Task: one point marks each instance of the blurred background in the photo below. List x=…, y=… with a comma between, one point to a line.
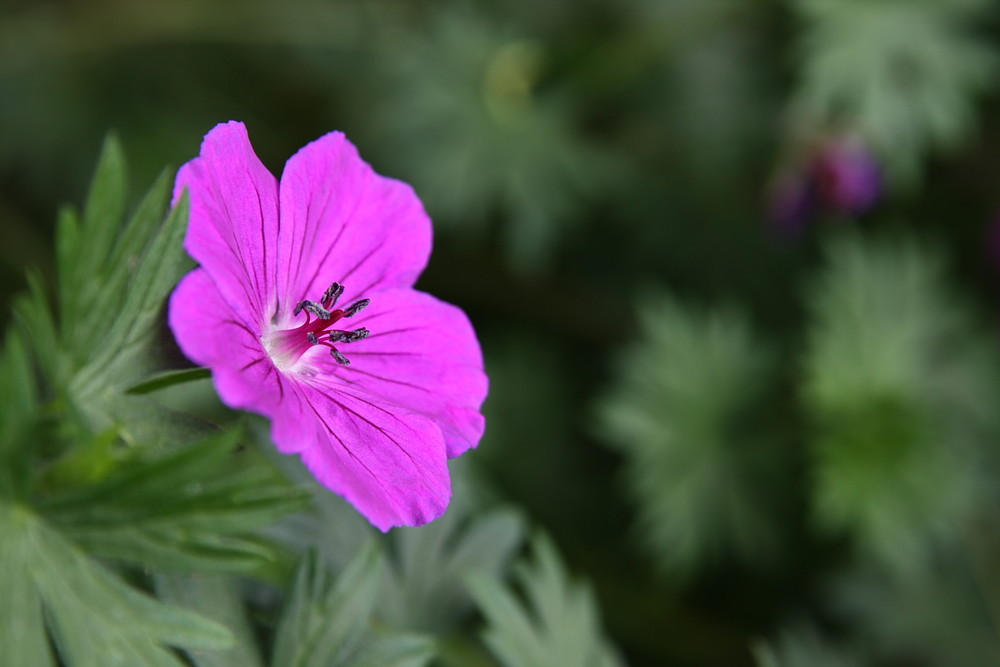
x=734, y=265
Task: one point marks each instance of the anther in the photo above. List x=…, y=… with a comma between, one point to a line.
x=312, y=307
x=348, y=336
x=356, y=307
x=341, y=359
x=311, y=337
x=331, y=294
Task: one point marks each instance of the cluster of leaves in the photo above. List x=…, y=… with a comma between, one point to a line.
x=897, y=385
x=684, y=417
x=131, y=534
x=905, y=74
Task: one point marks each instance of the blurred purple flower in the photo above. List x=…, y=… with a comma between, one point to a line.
x=847, y=176
x=262, y=313
x=839, y=175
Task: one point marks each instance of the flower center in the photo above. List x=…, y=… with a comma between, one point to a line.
x=287, y=345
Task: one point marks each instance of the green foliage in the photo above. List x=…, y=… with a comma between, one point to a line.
x=217, y=598
x=465, y=99
x=802, y=645
x=559, y=625
x=902, y=386
x=18, y=396
x=167, y=379
x=92, y=616
x=684, y=413
x=424, y=588
x=423, y=579
x=85, y=470
x=193, y=508
x=894, y=618
x=903, y=72
x=114, y=277
x=327, y=624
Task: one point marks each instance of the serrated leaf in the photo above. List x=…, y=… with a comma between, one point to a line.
x=902, y=388
x=119, y=270
x=216, y=598
x=424, y=587
x=684, y=412
x=904, y=74
x=22, y=624
x=94, y=618
x=945, y=614
x=324, y=624
x=397, y=651
x=196, y=507
x=119, y=360
x=85, y=246
x=113, y=282
x=34, y=314
x=67, y=254
x=20, y=404
x=559, y=625
x=801, y=645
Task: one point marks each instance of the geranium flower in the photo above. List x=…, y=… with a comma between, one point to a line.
x=839, y=174
x=304, y=309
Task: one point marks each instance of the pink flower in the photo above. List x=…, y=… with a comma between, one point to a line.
x=304, y=309
x=838, y=174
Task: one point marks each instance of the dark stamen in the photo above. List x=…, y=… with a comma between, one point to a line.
x=322, y=316
x=356, y=307
x=312, y=307
x=331, y=294
x=348, y=336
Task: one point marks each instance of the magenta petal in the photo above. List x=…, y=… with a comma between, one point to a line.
x=389, y=464
x=210, y=333
x=422, y=354
x=233, y=226
x=340, y=221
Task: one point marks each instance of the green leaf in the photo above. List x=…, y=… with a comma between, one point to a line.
x=397, y=651
x=22, y=623
x=215, y=598
x=901, y=385
x=113, y=281
x=802, y=646
x=166, y=379
x=329, y=625
x=467, y=86
x=67, y=254
x=34, y=314
x=903, y=73
x=193, y=508
x=559, y=625
x=425, y=588
x=946, y=615
x=20, y=404
x=84, y=249
x=121, y=357
x=686, y=413
x=119, y=270
x=93, y=617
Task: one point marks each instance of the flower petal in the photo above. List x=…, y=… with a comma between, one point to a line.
x=389, y=464
x=233, y=227
x=210, y=333
x=340, y=221
x=422, y=354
